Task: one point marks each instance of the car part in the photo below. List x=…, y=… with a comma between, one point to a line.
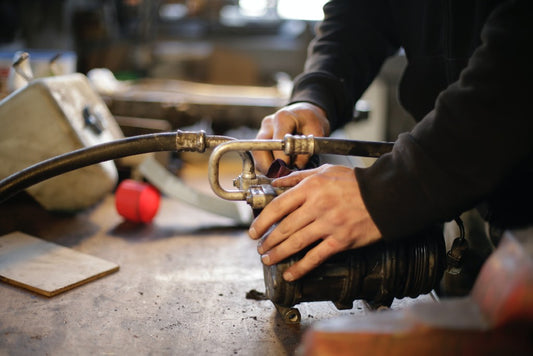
x=51, y=116
x=377, y=273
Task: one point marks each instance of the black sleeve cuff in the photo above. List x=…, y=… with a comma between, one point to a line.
x=326, y=91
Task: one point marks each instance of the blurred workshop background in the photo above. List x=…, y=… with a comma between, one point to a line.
x=248, y=51
x=78, y=73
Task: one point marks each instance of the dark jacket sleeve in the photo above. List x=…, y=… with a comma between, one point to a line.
x=479, y=134
x=352, y=43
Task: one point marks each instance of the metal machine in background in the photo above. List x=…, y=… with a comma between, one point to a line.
x=377, y=273
x=146, y=102
x=50, y=116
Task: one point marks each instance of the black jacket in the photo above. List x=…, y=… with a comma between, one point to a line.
x=468, y=83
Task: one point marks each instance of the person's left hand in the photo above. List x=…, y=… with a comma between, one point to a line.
x=323, y=204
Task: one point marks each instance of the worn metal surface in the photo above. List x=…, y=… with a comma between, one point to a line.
x=183, y=103
x=377, y=273
x=181, y=288
x=496, y=318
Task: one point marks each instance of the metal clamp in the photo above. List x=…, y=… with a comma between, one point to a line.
x=297, y=145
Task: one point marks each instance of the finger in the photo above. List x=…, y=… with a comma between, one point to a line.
x=283, y=204
x=294, y=244
x=282, y=156
x=285, y=123
x=301, y=161
x=293, y=178
x=289, y=225
x=275, y=211
x=312, y=259
x=263, y=160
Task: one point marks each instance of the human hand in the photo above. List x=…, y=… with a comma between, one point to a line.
x=323, y=204
x=299, y=118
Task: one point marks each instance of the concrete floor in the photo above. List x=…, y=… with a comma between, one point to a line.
x=180, y=289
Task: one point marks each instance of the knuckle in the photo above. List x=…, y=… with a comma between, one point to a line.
x=285, y=116
x=283, y=112
x=297, y=243
x=337, y=219
x=283, y=229
x=315, y=258
x=313, y=182
x=262, y=135
x=267, y=120
x=324, y=169
x=334, y=244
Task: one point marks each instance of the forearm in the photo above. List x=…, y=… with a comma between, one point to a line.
x=351, y=45
x=478, y=134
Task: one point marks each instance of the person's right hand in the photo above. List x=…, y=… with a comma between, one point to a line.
x=324, y=206
x=298, y=118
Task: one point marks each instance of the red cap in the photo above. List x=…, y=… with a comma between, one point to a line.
x=136, y=201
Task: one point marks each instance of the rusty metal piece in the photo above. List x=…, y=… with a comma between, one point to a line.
x=192, y=141
x=183, y=103
x=297, y=145
x=248, y=178
x=259, y=196
x=377, y=274
x=289, y=315
x=290, y=145
x=495, y=318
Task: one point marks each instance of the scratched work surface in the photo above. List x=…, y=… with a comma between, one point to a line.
x=180, y=289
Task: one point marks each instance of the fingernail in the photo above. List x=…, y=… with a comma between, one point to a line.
x=288, y=276
x=265, y=259
x=260, y=247
x=252, y=233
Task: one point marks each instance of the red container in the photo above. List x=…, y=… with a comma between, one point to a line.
x=136, y=201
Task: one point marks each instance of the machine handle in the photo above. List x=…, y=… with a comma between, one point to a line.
x=290, y=145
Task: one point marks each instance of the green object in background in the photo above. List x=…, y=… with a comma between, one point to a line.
x=128, y=75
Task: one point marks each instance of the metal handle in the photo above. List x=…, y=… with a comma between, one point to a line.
x=248, y=168
x=290, y=145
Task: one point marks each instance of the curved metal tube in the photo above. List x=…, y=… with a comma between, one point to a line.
x=187, y=141
x=196, y=141
x=296, y=145
x=351, y=147
x=248, y=167
x=290, y=145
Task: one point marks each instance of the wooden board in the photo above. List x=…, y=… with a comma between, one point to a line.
x=47, y=268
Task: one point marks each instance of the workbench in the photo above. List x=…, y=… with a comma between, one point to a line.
x=181, y=288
